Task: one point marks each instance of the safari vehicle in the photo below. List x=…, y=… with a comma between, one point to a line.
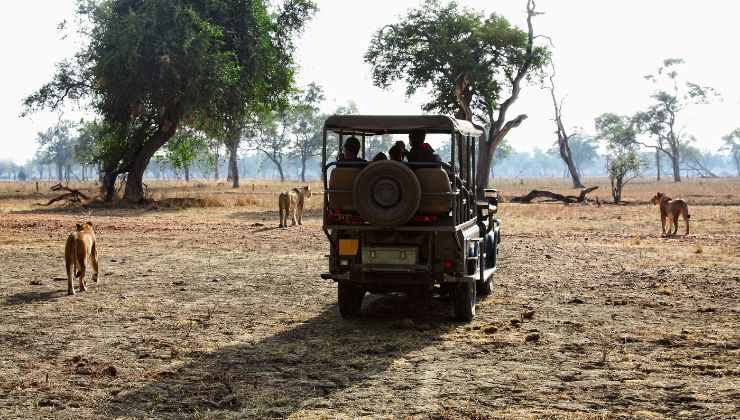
x=408, y=226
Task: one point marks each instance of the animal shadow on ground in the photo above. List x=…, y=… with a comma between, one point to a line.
x=31, y=297
x=274, y=215
x=283, y=373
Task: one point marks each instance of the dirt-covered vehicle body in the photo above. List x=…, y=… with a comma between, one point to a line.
x=408, y=226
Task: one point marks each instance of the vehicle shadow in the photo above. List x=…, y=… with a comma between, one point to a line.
x=23, y=298
x=292, y=370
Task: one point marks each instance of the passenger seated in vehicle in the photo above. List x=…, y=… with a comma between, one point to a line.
x=350, y=150
x=380, y=156
x=420, y=150
x=398, y=151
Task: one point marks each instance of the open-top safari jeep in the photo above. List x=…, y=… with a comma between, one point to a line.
x=408, y=226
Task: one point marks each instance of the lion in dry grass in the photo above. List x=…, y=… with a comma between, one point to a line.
x=80, y=250
x=291, y=203
x=669, y=212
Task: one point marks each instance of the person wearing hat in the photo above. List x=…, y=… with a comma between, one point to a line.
x=398, y=151
x=420, y=150
x=350, y=150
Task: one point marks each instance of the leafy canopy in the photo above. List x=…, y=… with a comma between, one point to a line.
x=150, y=66
x=438, y=42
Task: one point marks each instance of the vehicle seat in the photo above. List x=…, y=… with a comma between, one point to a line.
x=434, y=180
x=342, y=179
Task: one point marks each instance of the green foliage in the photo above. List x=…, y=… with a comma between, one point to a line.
x=583, y=149
x=732, y=146
x=433, y=45
x=503, y=151
x=184, y=148
x=305, y=122
x=732, y=142
x=151, y=66
x=22, y=175
x=623, y=163
x=660, y=120
x=57, y=146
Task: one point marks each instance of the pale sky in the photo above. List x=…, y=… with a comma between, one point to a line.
x=603, y=48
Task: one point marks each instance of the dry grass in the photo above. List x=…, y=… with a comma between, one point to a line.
x=213, y=312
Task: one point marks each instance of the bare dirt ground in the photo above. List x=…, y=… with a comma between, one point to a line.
x=216, y=313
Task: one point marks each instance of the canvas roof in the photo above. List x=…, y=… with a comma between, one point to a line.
x=400, y=124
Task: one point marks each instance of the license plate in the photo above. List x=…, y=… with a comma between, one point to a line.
x=390, y=255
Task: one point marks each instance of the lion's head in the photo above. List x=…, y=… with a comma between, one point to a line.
x=657, y=198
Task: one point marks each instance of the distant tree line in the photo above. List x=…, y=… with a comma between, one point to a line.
x=193, y=89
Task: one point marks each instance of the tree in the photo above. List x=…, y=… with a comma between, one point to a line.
x=660, y=120
x=151, y=66
x=306, y=124
x=732, y=145
x=269, y=134
x=56, y=146
x=22, y=175
x=8, y=169
x=697, y=161
x=623, y=164
x=184, y=148
x=473, y=66
x=563, y=136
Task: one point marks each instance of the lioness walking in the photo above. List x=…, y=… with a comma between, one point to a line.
x=79, y=250
x=669, y=212
x=291, y=203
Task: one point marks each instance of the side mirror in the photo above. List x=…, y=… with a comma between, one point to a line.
x=491, y=196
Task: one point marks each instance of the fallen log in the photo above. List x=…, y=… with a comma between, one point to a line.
x=70, y=194
x=567, y=199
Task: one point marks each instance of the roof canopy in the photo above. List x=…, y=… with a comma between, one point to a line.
x=400, y=124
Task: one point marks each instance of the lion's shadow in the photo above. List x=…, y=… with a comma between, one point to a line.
x=23, y=298
x=280, y=374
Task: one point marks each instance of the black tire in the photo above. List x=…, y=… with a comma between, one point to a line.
x=350, y=299
x=464, y=301
x=386, y=193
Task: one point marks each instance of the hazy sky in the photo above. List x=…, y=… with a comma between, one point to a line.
x=603, y=48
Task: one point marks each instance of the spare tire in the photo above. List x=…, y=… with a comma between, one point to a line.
x=386, y=193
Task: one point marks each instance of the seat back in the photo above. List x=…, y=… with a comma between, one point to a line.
x=342, y=179
x=434, y=180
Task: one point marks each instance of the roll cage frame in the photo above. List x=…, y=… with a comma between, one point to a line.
x=461, y=169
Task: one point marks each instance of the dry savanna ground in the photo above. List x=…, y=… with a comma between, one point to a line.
x=206, y=310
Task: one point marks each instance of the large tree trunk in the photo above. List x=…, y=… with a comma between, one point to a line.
x=233, y=175
x=657, y=163
x=676, y=160
x=565, y=154
x=303, y=169
x=108, y=185
x=737, y=163
x=487, y=149
x=135, y=178
x=187, y=173
x=280, y=170
x=216, y=175
x=60, y=172
x=563, y=136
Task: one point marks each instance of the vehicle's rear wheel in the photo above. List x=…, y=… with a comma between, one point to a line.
x=464, y=301
x=485, y=288
x=350, y=299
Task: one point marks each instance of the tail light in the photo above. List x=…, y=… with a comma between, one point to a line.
x=340, y=218
x=425, y=219
x=448, y=265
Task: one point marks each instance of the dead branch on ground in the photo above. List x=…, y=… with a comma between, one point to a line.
x=567, y=199
x=70, y=194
